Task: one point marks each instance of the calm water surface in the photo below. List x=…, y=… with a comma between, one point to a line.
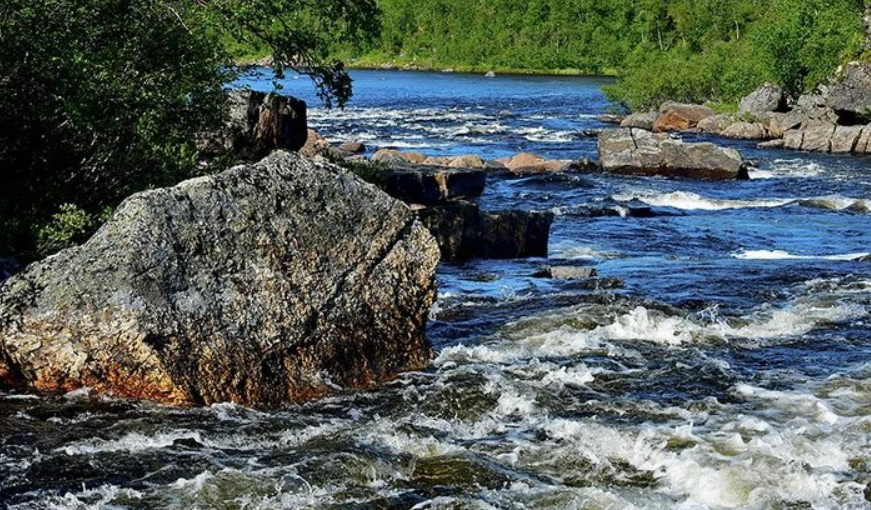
x=731, y=370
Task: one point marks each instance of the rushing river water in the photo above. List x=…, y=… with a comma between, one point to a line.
x=731, y=370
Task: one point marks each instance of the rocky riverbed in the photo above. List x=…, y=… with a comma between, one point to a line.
x=713, y=354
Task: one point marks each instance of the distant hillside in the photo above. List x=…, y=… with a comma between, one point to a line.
x=692, y=50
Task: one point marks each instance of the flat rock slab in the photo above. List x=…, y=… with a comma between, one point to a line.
x=640, y=152
x=432, y=185
x=266, y=284
x=464, y=232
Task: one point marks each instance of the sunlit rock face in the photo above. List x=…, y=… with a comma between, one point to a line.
x=266, y=284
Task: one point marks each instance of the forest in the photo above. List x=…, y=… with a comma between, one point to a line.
x=687, y=50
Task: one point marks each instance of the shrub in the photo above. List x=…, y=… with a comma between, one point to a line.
x=102, y=98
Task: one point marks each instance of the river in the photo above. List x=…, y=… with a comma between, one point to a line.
x=731, y=369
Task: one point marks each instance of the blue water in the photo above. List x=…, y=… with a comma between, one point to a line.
x=721, y=361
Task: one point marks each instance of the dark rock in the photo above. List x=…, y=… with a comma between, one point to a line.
x=582, y=165
x=639, y=152
x=766, y=99
x=597, y=284
x=494, y=165
x=262, y=285
x=464, y=232
x=850, y=94
x=258, y=124
x=8, y=267
x=432, y=185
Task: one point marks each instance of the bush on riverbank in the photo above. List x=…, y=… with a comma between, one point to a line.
x=102, y=98
x=690, y=50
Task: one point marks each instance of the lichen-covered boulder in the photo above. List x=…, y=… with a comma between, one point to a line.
x=266, y=284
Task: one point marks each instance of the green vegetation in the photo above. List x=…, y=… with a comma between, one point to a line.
x=103, y=98
x=689, y=50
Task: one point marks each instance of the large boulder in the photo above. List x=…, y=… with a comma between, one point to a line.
x=258, y=124
x=262, y=285
x=639, y=152
x=681, y=117
x=850, y=94
x=431, y=185
x=766, y=99
x=464, y=232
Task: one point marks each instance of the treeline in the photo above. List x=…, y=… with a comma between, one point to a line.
x=692, y=50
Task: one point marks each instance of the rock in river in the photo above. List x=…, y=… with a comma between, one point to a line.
x=639, y=152
x=431, y=185
x=465, y=232
x=265, y=284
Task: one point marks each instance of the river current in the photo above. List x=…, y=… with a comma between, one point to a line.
x=722, y=362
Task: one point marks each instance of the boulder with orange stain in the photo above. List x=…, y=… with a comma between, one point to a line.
x=267, y=284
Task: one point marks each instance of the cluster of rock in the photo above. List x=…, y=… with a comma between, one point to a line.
x=836, y=119
x=266, y=284
x=444, y=198
x=523, y=163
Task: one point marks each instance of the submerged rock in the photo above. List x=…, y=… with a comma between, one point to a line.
x=464, y=232
x=639, y=152
x=265, y=284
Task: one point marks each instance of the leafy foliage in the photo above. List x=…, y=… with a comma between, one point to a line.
x=693, y=50
x=103, y=98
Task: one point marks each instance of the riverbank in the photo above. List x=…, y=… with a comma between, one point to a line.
x=376, y=62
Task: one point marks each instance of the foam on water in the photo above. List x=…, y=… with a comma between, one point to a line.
x=688, y=201
x=782, y=255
